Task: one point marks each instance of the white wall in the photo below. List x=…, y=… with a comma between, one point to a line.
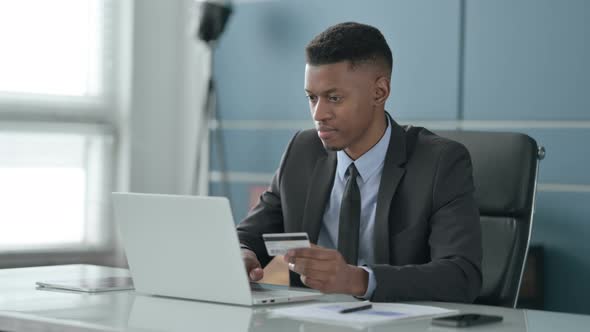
x=163, y=81
x=167, y=91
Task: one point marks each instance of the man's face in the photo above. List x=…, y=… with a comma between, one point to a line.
x=341, y=103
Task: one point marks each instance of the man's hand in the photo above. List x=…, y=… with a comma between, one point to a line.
x=253, y=267
x=326, y=270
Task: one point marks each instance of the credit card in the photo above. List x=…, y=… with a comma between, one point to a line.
x=279, y=243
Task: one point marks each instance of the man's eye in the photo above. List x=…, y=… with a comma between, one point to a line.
x=335, y=99
x=311, y=98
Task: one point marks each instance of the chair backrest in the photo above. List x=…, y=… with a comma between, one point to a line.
x=505, y=167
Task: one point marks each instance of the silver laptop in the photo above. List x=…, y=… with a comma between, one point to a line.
x=187, y=247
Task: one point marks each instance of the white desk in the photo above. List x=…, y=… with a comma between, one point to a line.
x=24, y=308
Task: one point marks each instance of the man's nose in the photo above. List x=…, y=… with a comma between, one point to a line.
x=320, y=111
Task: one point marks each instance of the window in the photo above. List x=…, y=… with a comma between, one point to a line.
x=51, y=47
x=47, y=193
x=56, y=131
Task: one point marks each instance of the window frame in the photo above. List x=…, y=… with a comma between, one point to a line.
x=99, y=116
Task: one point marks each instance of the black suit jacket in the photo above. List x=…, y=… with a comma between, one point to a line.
x=427, y=230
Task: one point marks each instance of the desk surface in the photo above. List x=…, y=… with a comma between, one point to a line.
x=23, y=307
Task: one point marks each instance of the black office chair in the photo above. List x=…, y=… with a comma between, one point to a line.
x=505, y=168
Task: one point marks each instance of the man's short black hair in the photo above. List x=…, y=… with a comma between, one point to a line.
x=350, y=41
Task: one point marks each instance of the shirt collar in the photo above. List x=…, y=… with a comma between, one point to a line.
x=370, y=161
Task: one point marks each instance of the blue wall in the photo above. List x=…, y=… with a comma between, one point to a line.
x=525, y=68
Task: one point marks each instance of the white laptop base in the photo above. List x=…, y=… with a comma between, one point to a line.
x=187, y=247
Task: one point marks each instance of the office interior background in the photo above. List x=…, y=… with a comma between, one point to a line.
x=105, y=95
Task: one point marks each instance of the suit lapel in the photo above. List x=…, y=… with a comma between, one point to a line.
x=390, y=178
x=320, y=188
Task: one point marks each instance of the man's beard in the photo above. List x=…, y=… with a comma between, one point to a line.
x=332, y=148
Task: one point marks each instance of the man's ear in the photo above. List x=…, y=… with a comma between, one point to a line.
x=382, y=90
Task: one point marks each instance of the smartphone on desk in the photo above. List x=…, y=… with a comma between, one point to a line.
x=465, y=320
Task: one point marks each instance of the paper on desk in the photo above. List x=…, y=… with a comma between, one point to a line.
x=380, y=313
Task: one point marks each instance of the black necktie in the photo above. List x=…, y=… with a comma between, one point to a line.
x=350, y=218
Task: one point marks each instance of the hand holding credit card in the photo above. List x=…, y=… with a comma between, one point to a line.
x=279, y=243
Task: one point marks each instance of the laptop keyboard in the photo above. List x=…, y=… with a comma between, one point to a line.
x=261, y=291
x=258, y=288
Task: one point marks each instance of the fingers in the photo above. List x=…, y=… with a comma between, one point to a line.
x=256, y=274
x=316, y=263
x=316, y=252
x=314, y=283
x=324, y=273
x=309, y=266
x=254, y=271
x=252, y=265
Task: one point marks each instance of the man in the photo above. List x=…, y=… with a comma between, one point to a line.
x=390, y=208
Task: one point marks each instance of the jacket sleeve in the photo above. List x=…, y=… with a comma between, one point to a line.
x=454, y=272
x=266, y=216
